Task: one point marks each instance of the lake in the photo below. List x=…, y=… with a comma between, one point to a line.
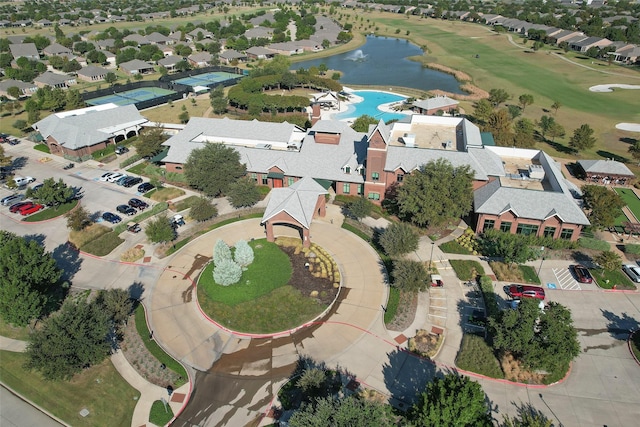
x=382, y=61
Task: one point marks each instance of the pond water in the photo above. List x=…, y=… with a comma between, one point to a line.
x=371, y=99
x=383, y=61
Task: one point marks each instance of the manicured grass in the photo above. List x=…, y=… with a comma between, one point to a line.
x=475, y=355
x=81, y=238
x=164, y=194
x=489, y=297
x=271, y=269
x=103, y=245
x=100, y=389
x=156, y=209
x=13, y=332
x=466, y=269
x=514, y=273
x=529, y=274
x=631, y=200
x=51, y=212
x=42, y=147
x=632, y=249
x=160, y=413
x=593, y=243
x=264, y=190
x=139, y=168
x=607, y=279
x=156, y=350
x=635, y=343
x=185, y=203
x=454, y=247
x=392, y=304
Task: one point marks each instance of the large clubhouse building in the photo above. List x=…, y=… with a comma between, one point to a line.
x=520, y=191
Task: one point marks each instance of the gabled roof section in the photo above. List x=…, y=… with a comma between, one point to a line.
x=383, y=130
x=298, y=200
x=611, y=167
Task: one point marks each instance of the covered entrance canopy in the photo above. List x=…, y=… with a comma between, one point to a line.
x=295, y=205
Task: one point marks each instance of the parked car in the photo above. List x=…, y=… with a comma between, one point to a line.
x=524, y=291
x=133, y=227
x=17, y=206
x=177, y=221
x=23, y=180
x=122, y=179
x=106, y=176
x=9, y=200
x=111, y=217
x=132, y=181
x=31, y=209
x=69, y=166
x=436, y=280
x=115, y=177
x=125, y=209
x=633, y=271
x=138, y=204
x=14, y=141
x=120, y=149
x=37, y=187
x=582, y=274
x=143, y=188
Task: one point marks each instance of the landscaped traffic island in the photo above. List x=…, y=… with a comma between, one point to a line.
x=284, y=286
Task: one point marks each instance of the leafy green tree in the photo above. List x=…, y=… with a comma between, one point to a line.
x=221, y=252
x=409, y=276
x=28, y=279
x=213, y=168
x=556, y=131
x=582, y=138
x=150, y=141
x=347, y=412
x=160, y=230
x=227, y=272
x=183, y=117
x=19, y=124
x=603, y=205
x=545, y=123
x=540, y=339
x=203, y=210
x=51, y=193
x=634, y=150
x=452, y=401
x=514, y=111
x=70, y=341
x=78, y=219
x=499, y=124
x=513, y=248
x=436, y=192
x=118, y=305
x=525, y=99
x=399, y=239
x=359, y=208
x=110, y=78
x=311, y=381
x=608, y=260
x=556, y=106
x=14, y=92
x=498, y=96
x=482, y=110
x=243, y=254
x=524, y=137
x=361, y=124
x=243, y=193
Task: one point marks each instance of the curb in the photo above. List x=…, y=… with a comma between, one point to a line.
x=38, y=407
x=637, y=331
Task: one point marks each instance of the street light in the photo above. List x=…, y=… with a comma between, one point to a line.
x=541, y=260
x=431, y=257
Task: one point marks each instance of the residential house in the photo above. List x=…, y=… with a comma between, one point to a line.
x=54, y=80
x=138, y=39
x=26, y=89
x=258, y=52
x=24, y=50
x=136, y=66
x=230, y=55
x=170, y=62
x=259, y=33
x=200, y=59
x=91, y=73
x=43, y=23
x=56, y=49
x=286, y=48
x=588, y=42
x=159, y=39
x=430, y=106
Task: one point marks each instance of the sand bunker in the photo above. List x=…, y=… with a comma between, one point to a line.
x=609, y=88
x=632, y=127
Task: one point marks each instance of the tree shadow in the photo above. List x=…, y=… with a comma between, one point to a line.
x=38, y=238
x=406, y=376
x=18, y=163
x=610, y=155
x=628, y=140
x=526, y=411
x=560, y=147
x=620, y=326
x=575, y=170
x=96, y=216
x=583, y=258
x=136, y=289
x=68, y=260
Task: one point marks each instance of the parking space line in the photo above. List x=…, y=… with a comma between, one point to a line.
x=565, y=280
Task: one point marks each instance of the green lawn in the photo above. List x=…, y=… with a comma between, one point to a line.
x=13, y=332
x=100, y=389
x=466, y=269
x=607, y=279
x=454, y=247
x=139, y=168
x=271, y=269
x=160, y=414
x=103, y=245
x=49, y=213
x=631, y=200
x=392, y=304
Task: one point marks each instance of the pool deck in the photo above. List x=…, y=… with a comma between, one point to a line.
x=344, y=106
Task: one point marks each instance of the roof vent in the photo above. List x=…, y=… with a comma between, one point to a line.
x=409, y=139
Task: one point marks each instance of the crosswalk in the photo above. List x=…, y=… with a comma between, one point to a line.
x=566, y=280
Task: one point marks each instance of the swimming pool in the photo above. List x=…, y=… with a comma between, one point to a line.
x=369, y=105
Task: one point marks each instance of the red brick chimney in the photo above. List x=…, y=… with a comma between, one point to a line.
x=315, y=113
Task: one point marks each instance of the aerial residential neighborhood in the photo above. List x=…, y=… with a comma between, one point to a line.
x=312, y=213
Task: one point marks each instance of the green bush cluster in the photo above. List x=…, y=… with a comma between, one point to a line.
x=466, y=269
x=103, y=245
x=468, y=241
x=131, y=160
x=595, y=244
x=632, y=249
x=475, y=355
x=42, y=147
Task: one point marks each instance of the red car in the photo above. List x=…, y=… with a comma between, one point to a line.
x=582, y=274
x=20, y=205
x=31, y=209
x=524, y=291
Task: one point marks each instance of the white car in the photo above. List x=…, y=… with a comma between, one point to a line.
x=23, y=180
x=116, y=176
x=633, y=271
x=106, y=176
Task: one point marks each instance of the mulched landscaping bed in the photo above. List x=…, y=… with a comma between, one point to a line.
x=305, y=282
x=407, y=308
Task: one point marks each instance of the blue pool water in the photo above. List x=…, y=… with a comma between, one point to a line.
x=369, y=106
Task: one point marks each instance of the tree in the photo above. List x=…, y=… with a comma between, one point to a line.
x=361, y=124
x=150, y=141
x=540, y=339
x=499, y=124
x=213, y=168
x=556, y=131
x=219, y=105
x=513, y=248
x=311, y=381
x=399, y=239
x=347, y=412
x=498, y=96
x=227, y=272
x=602, y=204
x=183, y=117
x=359, y=208
x=545, y=124
x=14, y=92
x=634, y=150
x=221, y=252
x=452, y=401
x=409, y=276
x=110, y=78
x=72, y=340
x=436, y=192
x=203, y=210
x=514, y=111
x=118, y=305
x=78, y=219
x=525, y=99
x=160, y=230
x=28, y=279
x=582, y=138
x=608, y=260
x=555, y=107
x=51, y=193
x=243, y=254
x=482, y=110
x=524, y=134
x=243, y=193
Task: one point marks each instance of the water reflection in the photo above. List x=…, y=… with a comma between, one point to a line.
x=382, y=61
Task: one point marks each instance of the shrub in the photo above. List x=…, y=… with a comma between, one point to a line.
x=221, y=252
x=81, y=238
x=132, y=254
x=103, y=245
x=632, y=249
x=131, y=160
x=202, y=210
x=591, y=243
x=398, y=239
x=453, y=247
x=42, y=147
x=227, y=272
x=466, y=269
x=489, y=296
x=243, y=254
x=475, y=355
x=410, y=276
x=469, y=242
x=359, y=207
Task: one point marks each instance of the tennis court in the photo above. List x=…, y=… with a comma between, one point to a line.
x=207, y=78
x=131, y=96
